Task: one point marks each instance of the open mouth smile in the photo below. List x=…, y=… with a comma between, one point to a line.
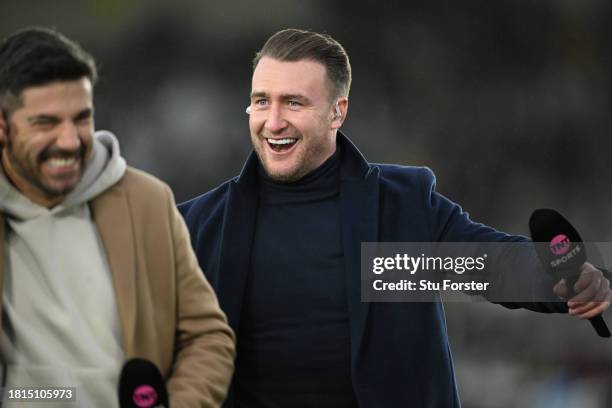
x=281, y=145
x=61, y=162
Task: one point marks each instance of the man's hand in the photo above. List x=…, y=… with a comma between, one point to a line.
x=592, y=289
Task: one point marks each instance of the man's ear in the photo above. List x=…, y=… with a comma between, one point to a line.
x=339, y=113
x=3, y=127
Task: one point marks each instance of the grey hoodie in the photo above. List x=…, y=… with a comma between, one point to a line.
x=60, y=325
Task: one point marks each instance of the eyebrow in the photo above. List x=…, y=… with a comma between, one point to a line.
x=43, y=118
x=85, y=113
x=284, y=97
x=258, y=95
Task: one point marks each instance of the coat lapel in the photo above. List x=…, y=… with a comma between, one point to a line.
x=111, y=215
x=236, y=241
x=359, y=204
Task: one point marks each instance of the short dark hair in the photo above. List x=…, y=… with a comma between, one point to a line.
x=295, y=45
x=37, y=56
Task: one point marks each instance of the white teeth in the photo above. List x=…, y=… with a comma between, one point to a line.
x=281, y=141
x=56, y=162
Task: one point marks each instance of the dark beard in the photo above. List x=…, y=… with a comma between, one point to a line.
x=30, y=178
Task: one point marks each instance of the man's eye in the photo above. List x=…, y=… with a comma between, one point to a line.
x=43, y=123
x=261, y=102
x=293, y=104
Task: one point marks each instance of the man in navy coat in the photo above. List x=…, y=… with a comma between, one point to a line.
x=281, y=246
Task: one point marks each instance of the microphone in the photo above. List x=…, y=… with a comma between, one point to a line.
x=561, y=252
x=141, y=385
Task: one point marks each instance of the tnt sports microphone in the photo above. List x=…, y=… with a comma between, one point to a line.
x=562, y=252
x=141, y=385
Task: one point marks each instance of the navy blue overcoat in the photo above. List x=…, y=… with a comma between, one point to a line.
x=400, y=355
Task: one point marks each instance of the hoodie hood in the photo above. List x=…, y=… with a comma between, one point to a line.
x=104, y=169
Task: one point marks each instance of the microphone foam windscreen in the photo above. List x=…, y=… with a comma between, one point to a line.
x=557, y=243
x=141, y=385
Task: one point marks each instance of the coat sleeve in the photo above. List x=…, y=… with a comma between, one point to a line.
x=205, y=344
x=520, y=276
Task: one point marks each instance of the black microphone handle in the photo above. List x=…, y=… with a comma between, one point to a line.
x=598, y=323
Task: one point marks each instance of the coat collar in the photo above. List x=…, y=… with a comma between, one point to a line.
x=359, y=220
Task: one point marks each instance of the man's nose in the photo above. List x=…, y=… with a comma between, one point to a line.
x=275, y=121
x=68, y=138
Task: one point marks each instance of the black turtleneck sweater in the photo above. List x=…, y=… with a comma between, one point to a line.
x=293, y=339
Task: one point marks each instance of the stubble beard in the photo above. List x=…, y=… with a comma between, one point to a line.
x=30, y=176
x=304, y=162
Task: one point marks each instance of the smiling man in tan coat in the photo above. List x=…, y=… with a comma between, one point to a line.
x=96, y=265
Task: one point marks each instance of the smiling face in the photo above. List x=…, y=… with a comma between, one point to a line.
x=49, y=139
x=293, y=121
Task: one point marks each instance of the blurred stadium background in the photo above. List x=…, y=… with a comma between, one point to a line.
x=508, y=101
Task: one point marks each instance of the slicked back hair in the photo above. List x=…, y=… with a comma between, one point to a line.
x=291, y=45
